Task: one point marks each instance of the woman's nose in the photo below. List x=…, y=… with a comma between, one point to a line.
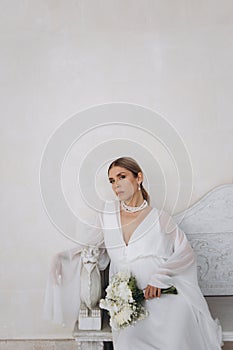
x=116, y=184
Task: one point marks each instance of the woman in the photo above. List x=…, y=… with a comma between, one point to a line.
x=149, y=244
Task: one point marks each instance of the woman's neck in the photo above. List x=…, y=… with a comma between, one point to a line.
x=135, y=201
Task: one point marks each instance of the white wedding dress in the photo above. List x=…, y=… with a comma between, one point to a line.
x=158, y=253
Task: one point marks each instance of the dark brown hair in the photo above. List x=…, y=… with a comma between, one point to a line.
x=131, y=165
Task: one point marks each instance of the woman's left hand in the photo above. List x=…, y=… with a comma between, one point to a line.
x=152, y=292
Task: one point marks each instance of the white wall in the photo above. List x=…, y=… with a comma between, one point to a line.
x=60, y=57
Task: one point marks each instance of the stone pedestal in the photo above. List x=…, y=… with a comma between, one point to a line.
x=93, y=339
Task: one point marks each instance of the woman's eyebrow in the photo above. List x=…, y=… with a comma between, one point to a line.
x=123, y=172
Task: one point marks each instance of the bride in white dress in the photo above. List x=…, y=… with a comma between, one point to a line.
x=149, y=244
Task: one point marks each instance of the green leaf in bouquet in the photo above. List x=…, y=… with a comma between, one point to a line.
x=137, y=293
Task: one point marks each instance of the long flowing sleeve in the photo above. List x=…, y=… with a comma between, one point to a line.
x=180, y=270
x=62, y=293
x=181, y=262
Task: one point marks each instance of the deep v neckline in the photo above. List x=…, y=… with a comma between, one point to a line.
x=136, y=229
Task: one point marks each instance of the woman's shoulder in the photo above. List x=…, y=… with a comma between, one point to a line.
x=167, y=223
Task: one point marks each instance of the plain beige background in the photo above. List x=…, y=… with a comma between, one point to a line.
x=61, y=57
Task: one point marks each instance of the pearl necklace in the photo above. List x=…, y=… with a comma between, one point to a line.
x=129, y=209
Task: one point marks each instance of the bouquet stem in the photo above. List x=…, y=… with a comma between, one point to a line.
x=170, y=290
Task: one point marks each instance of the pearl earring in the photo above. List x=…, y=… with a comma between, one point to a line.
x=139, y=188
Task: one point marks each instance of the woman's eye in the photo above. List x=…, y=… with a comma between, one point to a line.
x=121, y=177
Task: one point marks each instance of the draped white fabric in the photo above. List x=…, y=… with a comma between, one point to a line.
x=158, y=253
x=62, y=294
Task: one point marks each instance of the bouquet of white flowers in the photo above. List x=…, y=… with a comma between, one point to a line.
x=123, y=300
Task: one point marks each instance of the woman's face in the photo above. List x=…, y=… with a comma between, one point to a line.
x=124, y=184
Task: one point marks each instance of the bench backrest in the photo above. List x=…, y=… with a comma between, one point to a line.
x=208, y=225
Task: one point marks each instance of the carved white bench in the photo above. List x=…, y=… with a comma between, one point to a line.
x=208, y=225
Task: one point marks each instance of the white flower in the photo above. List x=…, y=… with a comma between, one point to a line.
x=124, y=315
x=124, y=292
x=123, y=309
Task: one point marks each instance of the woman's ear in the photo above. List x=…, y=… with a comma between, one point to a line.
x=140, y=176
